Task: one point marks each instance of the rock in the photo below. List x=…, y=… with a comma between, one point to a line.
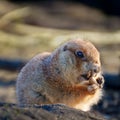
x=45, y=112
x=12, y=112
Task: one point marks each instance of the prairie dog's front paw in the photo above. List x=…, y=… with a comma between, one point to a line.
x=92, y=88
x=100, y=81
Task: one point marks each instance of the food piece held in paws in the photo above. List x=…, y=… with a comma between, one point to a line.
x=98, y=80
x=69, y=75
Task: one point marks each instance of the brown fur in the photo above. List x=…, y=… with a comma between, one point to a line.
x=57, y=77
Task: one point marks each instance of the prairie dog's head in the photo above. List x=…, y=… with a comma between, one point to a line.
x=79, y=60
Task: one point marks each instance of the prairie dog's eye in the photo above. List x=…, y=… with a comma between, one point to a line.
x=80, y=54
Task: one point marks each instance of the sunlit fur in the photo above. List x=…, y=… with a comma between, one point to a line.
x=55, y=77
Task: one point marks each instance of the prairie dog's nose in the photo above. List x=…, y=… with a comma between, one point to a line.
x=96, y=69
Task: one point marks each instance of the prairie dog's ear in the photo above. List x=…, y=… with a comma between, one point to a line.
x=68, y=55
x=65, y=48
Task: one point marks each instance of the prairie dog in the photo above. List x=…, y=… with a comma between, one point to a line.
x=70, y=75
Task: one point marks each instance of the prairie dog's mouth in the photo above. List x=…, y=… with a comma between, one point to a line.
x=94, y=79
x=87, y=76
x=98, y=81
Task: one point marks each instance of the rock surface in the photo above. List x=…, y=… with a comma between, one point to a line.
x=45, y=112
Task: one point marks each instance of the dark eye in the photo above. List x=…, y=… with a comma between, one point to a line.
x=80, y=54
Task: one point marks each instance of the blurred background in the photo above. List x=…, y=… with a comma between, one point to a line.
x=30, y=27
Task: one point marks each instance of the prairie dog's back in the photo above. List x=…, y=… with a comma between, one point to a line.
x=30, y=74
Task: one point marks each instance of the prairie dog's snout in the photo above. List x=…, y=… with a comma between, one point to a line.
x=90, y=70
x=96, y=69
